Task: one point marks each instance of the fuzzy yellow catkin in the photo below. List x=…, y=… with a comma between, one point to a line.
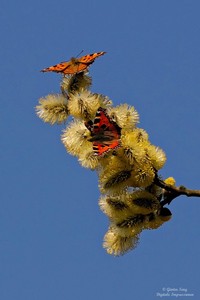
x=75, y=138
x=115, y=175
x=143, y=202
x=84, y=104
x=116, y=207
x=124, y=236
x=125, y=116
x=129, y=227
x=164, y=215
x=118, y=245
x=53, y=109
x=131, y=139
x=137, y=147
x=128, y=204
x=87, y=159
x=119, y=174
x=71, y=84
x=157, y=156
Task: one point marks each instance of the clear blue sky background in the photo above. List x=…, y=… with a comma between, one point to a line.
x=51, y=228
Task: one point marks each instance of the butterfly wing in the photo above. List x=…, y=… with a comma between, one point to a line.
x=59, y=68
x=101, y=148
x=105, y=133
x=75, y=65
x=90, y=58
x=69, y=68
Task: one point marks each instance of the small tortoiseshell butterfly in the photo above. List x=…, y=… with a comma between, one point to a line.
x=105, y=133
x=74, y=65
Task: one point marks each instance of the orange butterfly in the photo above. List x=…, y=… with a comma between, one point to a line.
x=105, y=133
x=74, y=65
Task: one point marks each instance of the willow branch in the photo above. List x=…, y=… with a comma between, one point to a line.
x=171, y=192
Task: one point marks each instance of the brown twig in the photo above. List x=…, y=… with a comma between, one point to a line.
x=171, y=192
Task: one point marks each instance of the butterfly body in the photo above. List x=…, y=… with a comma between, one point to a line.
x=74, y=65
x=105, y=133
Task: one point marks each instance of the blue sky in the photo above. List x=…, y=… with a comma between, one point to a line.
x=51, y=228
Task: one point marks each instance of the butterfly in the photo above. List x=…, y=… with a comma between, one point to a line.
x=74, y=65
x=105, y=133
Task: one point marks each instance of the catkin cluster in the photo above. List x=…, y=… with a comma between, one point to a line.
x=120, y=152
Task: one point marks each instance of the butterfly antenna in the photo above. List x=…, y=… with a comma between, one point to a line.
x=79, y=53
